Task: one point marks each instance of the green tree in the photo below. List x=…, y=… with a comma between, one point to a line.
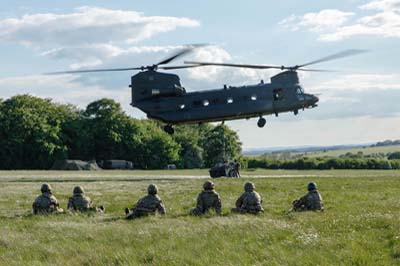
x=30, y=132
x=220, y=144
x=191, y=154
x=394, y=155
x=159, y=148
x=106, y=120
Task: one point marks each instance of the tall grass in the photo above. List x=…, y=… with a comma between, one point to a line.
x=361, y=224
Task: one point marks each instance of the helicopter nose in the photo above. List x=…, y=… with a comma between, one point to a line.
x=315, y=99
x=311, y=100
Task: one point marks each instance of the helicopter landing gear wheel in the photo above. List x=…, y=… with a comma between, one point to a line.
x=169, y=129
x=261, y=122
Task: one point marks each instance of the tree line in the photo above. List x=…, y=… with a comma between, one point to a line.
x=35, y=132
x=322, y=163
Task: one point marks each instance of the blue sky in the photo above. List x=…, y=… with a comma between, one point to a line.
x=359, y=104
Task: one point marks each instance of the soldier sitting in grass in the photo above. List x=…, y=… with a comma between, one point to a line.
x=82, y=203
x=46, y=203
x=312, y=201
x=207, y=199
x=249, y=201
x=147, y=205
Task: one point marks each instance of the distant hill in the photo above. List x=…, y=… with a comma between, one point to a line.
x=300, y=149
x=387, y=146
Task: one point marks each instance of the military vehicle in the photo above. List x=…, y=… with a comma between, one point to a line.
x=223, y=169
x=115, y=164
x=162, y=97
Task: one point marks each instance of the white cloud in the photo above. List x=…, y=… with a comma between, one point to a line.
x=222, y=75
x=62, y=89
x=385, y=24
x=97, y=54
x=357, y=95
x=385, y=5
x=323, y=20
x=334, y=25
x=87, y=25
x=209, y=54
x=360, y=82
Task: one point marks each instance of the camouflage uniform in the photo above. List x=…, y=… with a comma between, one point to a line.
x=80, y=202
x=147, y=205
x=46, y=203
x=249, y=201
x=207, y=199
x=312, y=201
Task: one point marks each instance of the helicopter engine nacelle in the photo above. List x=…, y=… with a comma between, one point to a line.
x=168, y=92
x=149, y=84
x=285, y=79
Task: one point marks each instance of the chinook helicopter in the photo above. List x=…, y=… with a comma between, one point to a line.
x=162, y=97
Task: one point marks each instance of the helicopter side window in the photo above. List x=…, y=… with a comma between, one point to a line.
x=278, y=94
x=155, y=92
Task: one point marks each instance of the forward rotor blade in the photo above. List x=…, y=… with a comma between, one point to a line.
x=178, y=67
x=316, y=70
x=180, y=53
x=234, y=65
x=93, y=70
x=342, y=54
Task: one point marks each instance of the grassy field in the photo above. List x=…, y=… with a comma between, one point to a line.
x=361, y=224
x=365, y=151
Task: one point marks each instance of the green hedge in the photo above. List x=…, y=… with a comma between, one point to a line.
x=306, y=163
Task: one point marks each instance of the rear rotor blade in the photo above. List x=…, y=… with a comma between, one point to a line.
x=342, y=54
x=180, y=53
x=93, y=70
x=178, y=67
x=234, y=65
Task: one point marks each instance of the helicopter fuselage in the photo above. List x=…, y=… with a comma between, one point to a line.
x=228, y=103
x=164, y=99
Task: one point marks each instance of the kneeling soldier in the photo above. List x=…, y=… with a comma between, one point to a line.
x=82, y=203
x=46, y=203
x=249, y=201
x=207, y=199
x=147, y=205
x=312, y=201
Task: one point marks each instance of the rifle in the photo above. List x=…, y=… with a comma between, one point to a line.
x=289, y=211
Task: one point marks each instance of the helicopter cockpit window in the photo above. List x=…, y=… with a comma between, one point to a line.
x=278, y=94
x=299, y=90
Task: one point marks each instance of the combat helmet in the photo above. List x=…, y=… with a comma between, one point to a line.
x=78, y=190
x=311, y=186
x=152, y=189
x=208, y=185
x=249, y=187
x=45, y=188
